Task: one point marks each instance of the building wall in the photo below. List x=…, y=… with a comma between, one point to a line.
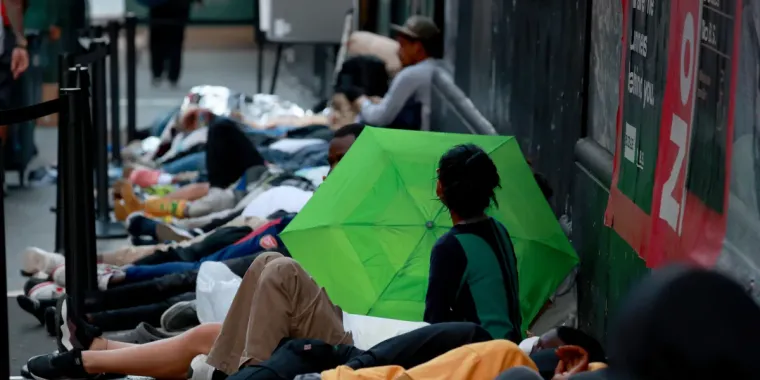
x=548, y=72
x=523, y=64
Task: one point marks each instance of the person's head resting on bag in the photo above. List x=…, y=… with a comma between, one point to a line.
x=419, y=39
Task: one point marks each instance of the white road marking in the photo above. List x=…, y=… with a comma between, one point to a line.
x=16, y=378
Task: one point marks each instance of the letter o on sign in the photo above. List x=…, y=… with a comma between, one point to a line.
x=688, y=57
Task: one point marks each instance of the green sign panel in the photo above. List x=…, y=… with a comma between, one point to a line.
x=644, y=87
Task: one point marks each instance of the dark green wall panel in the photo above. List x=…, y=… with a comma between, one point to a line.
x=609, y=266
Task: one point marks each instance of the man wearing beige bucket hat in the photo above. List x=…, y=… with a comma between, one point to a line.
x=406, y=105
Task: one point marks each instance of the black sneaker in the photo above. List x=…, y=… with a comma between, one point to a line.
x=72, y=333
x=180, y=317
x=67, y=365
x=34, y=307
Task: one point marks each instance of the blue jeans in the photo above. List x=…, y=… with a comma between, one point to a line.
x=264, y=238
x=194, y=162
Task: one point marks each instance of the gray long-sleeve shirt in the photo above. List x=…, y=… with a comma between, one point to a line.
x=413, y=82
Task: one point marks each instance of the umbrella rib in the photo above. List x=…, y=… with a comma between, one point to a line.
x=403, y=185
x=395, y=275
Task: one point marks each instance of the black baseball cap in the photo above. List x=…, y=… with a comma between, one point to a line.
x=419, y=28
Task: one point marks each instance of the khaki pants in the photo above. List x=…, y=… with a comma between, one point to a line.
x=216, y=200
x=277, y=299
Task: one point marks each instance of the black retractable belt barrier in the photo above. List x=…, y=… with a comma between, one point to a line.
x=14, y=116
x=130, y=26
x=114, y=85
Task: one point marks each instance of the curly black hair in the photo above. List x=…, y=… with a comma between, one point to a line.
x=468, y=178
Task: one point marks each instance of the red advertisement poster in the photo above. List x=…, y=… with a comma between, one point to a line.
x=672, y=160
x=691, y=187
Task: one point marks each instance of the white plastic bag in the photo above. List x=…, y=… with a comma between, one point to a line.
x=214, y=290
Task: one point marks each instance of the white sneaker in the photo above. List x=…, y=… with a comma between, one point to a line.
x=199, y=369
x=37, y=260
x=46, y=291
x=105, y=272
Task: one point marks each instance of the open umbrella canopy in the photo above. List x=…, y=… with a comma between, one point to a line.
x=367, y=233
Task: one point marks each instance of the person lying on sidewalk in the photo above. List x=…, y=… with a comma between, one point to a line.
x=37, y=260
x=277, y=299
x=483, y=360
x=341, y=140
x=273, y=193
x=262, y=239
x=228, y=155
x=473, y=268
x=296, y=357
x=159, y=289
x=121, y=307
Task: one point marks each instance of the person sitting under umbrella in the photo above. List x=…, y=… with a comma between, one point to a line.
x=473, y=268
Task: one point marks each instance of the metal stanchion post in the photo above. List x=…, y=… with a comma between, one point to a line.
x=83, y=160
x=114, y=80
x=277, y=61
x=9, y=117
x=105, y=228
x=71, y=125
x=5, y=355
x=131, y=26
x=65, y=61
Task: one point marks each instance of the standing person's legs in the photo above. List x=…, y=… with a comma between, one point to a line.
x=174, y=62
x=157, y=46
x=176, y=36
x=277, y=299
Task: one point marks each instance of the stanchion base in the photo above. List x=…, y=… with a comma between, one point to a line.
x=110, y=230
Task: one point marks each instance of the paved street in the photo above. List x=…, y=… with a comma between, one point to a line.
x=28, y=219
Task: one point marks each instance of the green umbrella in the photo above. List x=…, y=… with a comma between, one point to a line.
x=367, y=233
